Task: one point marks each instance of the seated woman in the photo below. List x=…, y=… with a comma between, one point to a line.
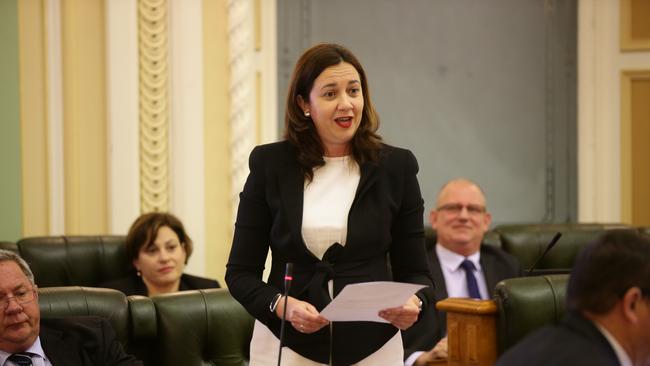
x=158, y=249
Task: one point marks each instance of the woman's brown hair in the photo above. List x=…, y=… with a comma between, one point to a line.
x=144, y=230
x=300, y=130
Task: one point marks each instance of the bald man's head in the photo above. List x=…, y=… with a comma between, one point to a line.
x=460, y=217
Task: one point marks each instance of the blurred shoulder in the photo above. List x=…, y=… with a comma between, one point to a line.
x=272, y=154
x=75, y=324
x=192, y=282
x=130, y=285
x=500, y=255
x=398, y=157
x=278, y=148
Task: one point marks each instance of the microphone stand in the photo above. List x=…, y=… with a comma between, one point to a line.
x=287, y=285
x=550, y=245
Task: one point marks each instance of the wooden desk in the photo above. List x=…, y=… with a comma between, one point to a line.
x=471, y=331
x=439, y=362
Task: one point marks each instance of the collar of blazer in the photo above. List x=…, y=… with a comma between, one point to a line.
x=291, y=187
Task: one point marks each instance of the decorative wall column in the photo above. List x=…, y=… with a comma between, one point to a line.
x=154, y=113
x=243, y=126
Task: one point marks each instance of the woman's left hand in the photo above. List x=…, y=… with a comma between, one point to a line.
x=403, y=316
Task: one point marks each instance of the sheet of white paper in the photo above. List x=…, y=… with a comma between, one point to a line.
x=363, y=301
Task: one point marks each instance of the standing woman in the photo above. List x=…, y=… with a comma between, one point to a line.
x=342, y=207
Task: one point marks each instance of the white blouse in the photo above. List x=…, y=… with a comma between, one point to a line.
x=326, y=203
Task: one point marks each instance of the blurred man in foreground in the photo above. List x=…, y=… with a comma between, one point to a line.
x=608, y=305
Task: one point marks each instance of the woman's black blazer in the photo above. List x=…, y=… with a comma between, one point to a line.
x=385, y=241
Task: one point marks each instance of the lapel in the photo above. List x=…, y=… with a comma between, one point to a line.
x=440, y=290
x=291, y=186
x=438, y=277
x=489, y=270
x=56, y=350
x=368, y=179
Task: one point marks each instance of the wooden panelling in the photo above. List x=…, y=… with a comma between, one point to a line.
x=33, y=119
x=218, y=214
x=635, y=25
x=635, y=134
x=84, y=113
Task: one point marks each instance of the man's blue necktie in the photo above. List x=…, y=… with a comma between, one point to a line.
x=472, y=285
x=21, y=359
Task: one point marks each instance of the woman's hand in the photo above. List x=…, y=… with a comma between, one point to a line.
x=403, y=316
x=302, y=315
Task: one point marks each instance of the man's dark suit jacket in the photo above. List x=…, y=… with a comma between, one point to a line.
x=575, y=341
x=497, y=266
x=133, y=285
x=83, y=341
x=385, y=218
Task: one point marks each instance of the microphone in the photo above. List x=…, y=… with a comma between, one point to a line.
x=288, y=277
x=548, y=247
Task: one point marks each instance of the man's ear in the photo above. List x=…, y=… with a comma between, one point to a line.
x=487, y=220
x=433, y=219
x=630, y=304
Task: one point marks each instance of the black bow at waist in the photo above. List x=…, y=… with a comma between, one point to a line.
x=330, y=267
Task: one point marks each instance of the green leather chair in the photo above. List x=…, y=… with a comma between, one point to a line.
x=527, y=242
x=202, y=327
x=59, y=302
x=75, y=260
x=645, y=230
x=526, y=304
x=9, y=245
x=189, y=328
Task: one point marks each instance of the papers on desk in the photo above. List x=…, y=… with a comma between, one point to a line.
x=363, y=301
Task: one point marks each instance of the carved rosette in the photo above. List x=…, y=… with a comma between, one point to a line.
x=154, y=113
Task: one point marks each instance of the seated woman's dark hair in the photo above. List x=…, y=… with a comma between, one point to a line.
x=300, y=130
x=145, y=228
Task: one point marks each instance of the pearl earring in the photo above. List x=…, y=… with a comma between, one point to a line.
x=307, y=114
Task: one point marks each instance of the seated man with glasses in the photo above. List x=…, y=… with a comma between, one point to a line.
x=460, y=265
x=25, y=339
x=608, y=310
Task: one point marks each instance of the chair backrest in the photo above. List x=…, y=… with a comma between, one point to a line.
x=527, y=242
x=9, y=245
x=202, y=327
x=135, y=329
x=644, y=230
x=75, y=260
x=527, y=303
x=61, y=302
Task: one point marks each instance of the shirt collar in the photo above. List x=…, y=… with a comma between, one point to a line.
x=452, y=260
x=34, y=349
x=623, y=357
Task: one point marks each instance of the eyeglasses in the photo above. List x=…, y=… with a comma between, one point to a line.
x=457, y=208
x=21, y=297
